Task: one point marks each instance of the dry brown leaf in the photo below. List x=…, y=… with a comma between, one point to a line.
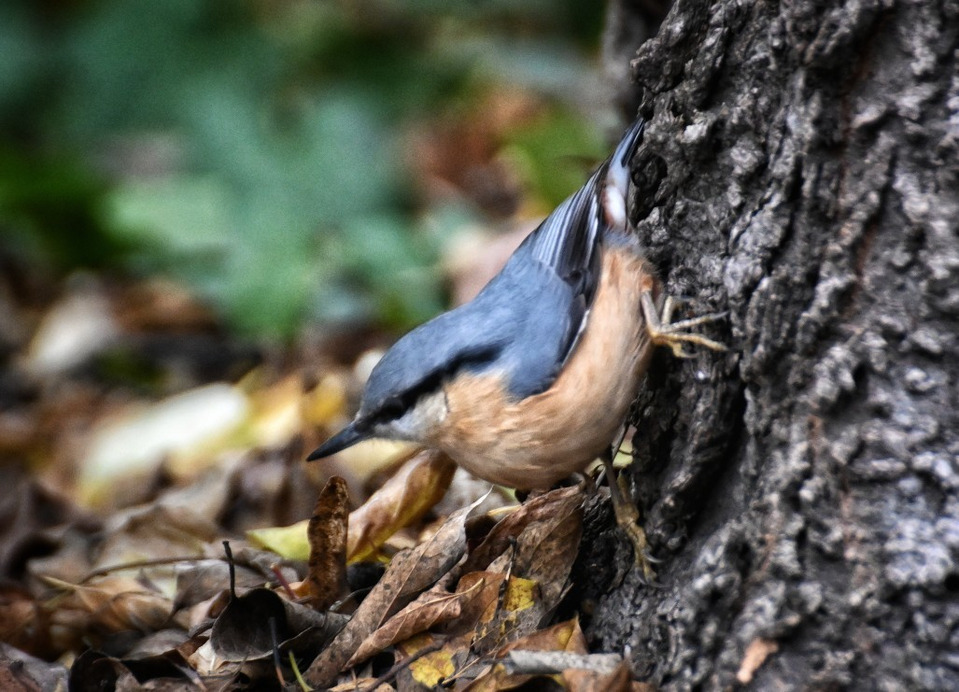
x=409, y=573
x=497, y=679
x=540, y=564
x=578, y=680
x=24, y=623
x=27, y=511
x=110, y=604
x=253, y=624
x=250, y=626
x=154, y=532
x=409, y=494
x=200, y=580
x=546, y=550
x=326, y=581
x=509, y=617
x=362, y=684
x=430, y=609
x=564, y=636
x=478, y=604
x=535, y=510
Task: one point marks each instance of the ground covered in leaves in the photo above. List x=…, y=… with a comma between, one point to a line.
x=160, y=528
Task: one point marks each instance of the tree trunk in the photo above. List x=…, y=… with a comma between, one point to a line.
x=799, y=171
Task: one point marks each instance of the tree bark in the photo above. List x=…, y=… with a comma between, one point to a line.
x=800, y=170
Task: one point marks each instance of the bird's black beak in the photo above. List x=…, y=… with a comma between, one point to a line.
x=347, y=437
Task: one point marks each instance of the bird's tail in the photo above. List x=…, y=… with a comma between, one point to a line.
x=618, y=172
x=615, y=183
x=567, y=238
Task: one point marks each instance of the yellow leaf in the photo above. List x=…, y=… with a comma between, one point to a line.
x=520, y=594
x=418, y=485
x=412, y=491
x=288, y=541
x=326, y=402
x=430, y=669
x=276, y=414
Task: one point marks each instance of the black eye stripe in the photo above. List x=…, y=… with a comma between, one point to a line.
x=396, y=406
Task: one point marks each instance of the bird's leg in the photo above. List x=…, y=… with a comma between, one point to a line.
x=664, y=332
x=627, y=517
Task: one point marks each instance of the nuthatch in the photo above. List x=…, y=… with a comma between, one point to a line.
x=530, y=381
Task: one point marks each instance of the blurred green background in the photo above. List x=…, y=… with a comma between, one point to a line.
x=291, y=161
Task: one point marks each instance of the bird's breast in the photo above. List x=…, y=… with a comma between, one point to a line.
x=537, y=441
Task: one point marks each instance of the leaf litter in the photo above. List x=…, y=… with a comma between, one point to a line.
x=343, y=574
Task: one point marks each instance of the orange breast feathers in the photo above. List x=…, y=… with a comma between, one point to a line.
x=540, y=440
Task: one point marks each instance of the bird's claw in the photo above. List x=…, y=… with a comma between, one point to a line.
x=627, y=517
x=664, y=332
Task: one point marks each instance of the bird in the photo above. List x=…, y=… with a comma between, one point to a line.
x=531, y=381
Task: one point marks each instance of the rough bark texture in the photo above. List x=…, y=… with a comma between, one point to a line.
x=800, y=170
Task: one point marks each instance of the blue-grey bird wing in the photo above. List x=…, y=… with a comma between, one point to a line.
x=552, y=279
x=525, y=323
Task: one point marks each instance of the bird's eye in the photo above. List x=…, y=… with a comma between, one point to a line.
x=392, y=409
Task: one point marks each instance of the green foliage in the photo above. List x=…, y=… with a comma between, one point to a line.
x=549, y=151
x=253, y=149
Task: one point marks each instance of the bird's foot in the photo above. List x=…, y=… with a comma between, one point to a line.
x=664, y=332
x=627, y=518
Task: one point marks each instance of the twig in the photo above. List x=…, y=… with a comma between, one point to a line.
x=137, y=564
x=552, y=662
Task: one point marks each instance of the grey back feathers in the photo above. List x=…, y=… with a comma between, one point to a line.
x=525, y=323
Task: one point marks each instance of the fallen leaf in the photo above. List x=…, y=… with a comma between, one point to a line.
x=266, y=563
x=327, y=530
x=409, y=494
x=92, y=671
x=478, y=604
x=27, y=509
x=542, y=508
x=154, y=532
x=253, y=624
x=203, y=579
x=326, y=401
x=290, y=542
x=432, y=668
x=617, y=680
x=108, y=604
x=546, y=550
x=520, y=594
x=565, y=636
x=543, y=556
x=427, y=668
x=504, y=620
x=430, y=609
x=20, y=671
x=362, y=684
x=181, y=429
x=24, y=623
x=158, y=643
x=276, y=412
x=72, y=332
x=409, y=573
x=250, y=626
